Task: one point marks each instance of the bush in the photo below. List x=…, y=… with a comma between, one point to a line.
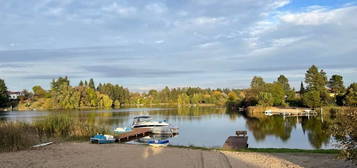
x=345, y=132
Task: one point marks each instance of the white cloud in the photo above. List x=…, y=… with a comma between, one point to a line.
x=119, y=9
x=208, y=45
x=208, y=20
x=55, y=11
x=316, y=16
x=221, y=35
x=156, y=8
x=159, y=41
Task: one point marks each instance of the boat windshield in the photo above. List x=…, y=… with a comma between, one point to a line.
x=142, y=118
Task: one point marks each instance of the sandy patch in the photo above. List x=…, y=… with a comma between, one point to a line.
x=132, y=156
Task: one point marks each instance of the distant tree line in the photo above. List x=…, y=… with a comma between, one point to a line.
x=315, y=91
x=318, y=91
x=86, y=94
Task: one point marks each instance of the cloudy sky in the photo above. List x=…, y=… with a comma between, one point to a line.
x=144, y=44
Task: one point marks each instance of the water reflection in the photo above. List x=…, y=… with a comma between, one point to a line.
x=210, y=126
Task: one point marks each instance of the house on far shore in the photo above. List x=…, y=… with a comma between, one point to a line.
x=14, y=95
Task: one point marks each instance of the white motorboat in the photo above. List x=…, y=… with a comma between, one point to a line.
x=147, y=122
x=120, y=130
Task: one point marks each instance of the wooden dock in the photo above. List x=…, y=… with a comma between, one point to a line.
x=237, y=142
x=292, y=114
x=136, y=132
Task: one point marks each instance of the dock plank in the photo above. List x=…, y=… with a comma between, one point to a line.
x=134, y=133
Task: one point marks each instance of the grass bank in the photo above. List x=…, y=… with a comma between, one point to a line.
x=18, y=135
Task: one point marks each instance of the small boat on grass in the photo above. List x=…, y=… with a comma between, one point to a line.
x=102, y=139
x=43, y=144
x=158, y=143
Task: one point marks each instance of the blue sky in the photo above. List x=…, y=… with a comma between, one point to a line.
x=145, y=44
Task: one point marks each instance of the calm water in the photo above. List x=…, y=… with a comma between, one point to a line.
x=210, y=126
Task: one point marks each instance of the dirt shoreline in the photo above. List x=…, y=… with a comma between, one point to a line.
x=132, y=156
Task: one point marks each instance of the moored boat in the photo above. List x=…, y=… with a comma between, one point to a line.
x=120, y=130
x=147, y=122
x=158, y=143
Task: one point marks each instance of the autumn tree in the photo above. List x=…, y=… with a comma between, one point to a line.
x=39, y=92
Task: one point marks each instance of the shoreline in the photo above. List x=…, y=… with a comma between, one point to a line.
x=84, y=154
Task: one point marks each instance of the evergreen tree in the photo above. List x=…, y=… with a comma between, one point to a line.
x=336, y=84
x=91, y=83
x=4, y=97
x=302, y=89
x=57, y=83
x=315, y=79
x=99, y=86
x=81, y=83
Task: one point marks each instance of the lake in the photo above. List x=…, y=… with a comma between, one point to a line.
x=210, y=126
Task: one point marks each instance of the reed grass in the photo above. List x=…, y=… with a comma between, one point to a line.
x=18, y=135
x=63, y=126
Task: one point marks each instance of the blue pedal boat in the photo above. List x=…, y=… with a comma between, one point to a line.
x=158, y=143
x=102, y=139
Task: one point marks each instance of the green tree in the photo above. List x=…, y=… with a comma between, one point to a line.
x=315, y=79
x=336, y=84
x=284, y=83
x=350, y=97
x=4, y=97
x=277, y=92
x=265, y=99
x=312, y=99
x=257, y=82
